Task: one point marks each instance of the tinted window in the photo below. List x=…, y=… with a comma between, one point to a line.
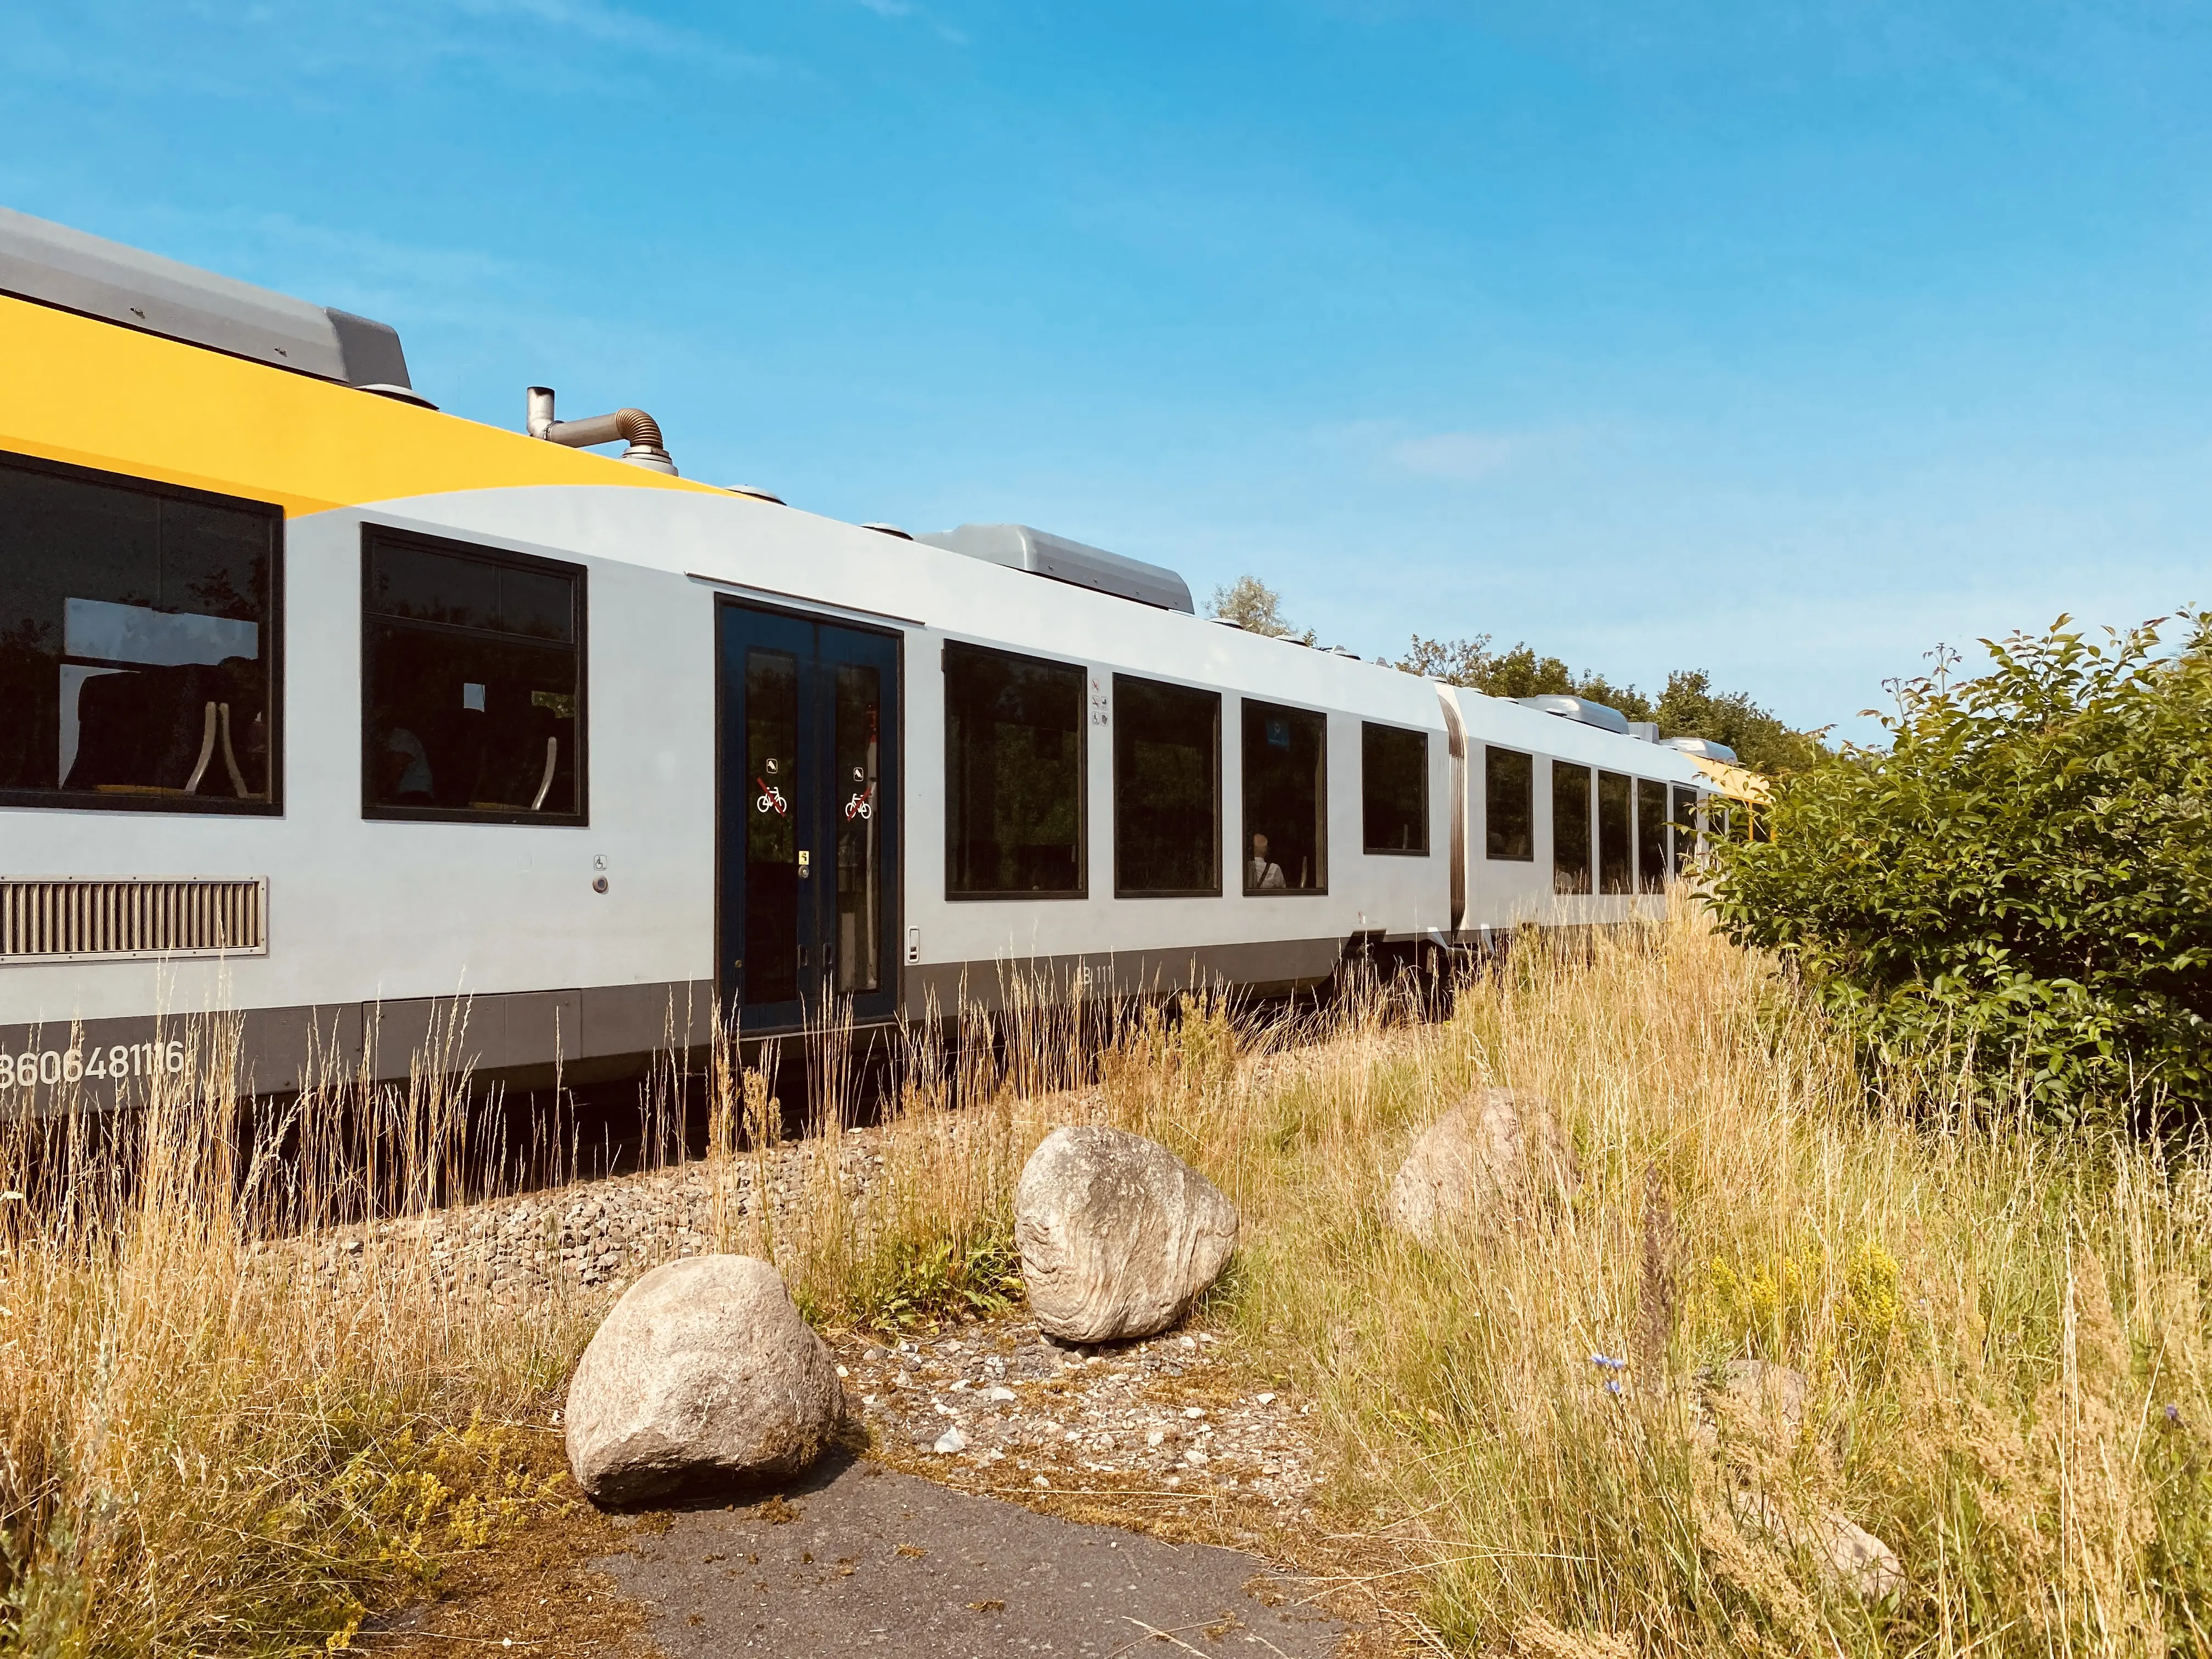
x=860, y=849
x=1014, y=775
x=1167, y=788
x=1285, y=799
x=774, y=787
x=1685, y=826
x=1650, y=836
x=1509, y=805
x=1615, y=866
x=472, y=683
x=1394, y=789
x=1571, y=828
x=137, y=643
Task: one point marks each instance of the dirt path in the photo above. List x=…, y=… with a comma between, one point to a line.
x=864, y=1558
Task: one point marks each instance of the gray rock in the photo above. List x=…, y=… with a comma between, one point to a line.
x=1845, y=1554
x=1118, y=1235
x=703, y=1373
x=1768, y=1389
x=1492, y=1150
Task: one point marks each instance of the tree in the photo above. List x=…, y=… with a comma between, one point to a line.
x=2025, y=874
x=1688, y=707
x=1519, y=672
x=1256, y=608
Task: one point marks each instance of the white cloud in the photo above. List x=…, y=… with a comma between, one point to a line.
x=1463, y=457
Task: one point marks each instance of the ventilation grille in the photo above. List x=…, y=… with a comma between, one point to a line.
x=106, y=920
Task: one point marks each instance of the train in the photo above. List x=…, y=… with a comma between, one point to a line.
x=321, y=708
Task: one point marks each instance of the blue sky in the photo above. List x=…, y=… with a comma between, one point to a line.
x=1780, y=340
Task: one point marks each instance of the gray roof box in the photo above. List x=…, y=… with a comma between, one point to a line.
x=1020, y=548
x=1580, y=709
x=58, y=266
x=1705, y=748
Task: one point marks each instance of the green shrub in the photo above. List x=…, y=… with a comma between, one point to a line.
x=2023, y=876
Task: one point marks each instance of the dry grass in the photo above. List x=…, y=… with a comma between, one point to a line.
x=2007, y=1338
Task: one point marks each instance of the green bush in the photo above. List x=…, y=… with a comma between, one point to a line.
x=2024, y=874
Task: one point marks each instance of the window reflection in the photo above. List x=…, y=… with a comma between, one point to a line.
x=1014, y=775
x=1167, y=788
x=136, y=649
x=1616, y=872
x=1509, y=805
x=1650, y=836
x=860, y=879
x=1394, y=789
x=1571, y=828
x=471, y=682
x=1286, y=754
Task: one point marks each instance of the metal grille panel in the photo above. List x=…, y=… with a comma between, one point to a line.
x=102, y=920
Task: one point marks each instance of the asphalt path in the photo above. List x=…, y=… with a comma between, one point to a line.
x=861, y=1557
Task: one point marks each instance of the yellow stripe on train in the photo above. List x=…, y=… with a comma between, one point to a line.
x=75, y=389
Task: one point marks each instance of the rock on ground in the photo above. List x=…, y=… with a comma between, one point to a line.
x=704, y=1374
x=1118, y=1235
x=1493, y=1147
x=1845, y=1554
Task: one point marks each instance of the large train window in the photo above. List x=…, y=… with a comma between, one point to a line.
x=1167, y=789
x=1509, y=805
x=1616, y=866
x=139, y=643
x=1013, y=775
x=1650, y=836
x=1285, y=799
x=1394, y=789
x=472, y=683
x=1571, y=828
x=1685, y=826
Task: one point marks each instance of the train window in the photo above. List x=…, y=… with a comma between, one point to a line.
x=1167, y=789
x=1285, y=799
x=1616, y=867
x=771, y=832
x=1650, y=836
x=139, y=644
x=1509, y=805
x=1684, y=827
x=1571, y=828
x=1013, y=775
x=859, y=843
x=472, y=683
x=1394, y=789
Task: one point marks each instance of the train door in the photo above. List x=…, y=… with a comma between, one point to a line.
x=808, y=837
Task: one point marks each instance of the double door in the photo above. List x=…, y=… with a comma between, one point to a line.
x=809, y=820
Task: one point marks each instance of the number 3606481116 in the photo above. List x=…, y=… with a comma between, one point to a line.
x=54, y=1067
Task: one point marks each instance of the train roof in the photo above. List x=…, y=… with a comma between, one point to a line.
x=126, y=361
x=56, y=266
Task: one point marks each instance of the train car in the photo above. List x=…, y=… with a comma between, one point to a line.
x=323, y=708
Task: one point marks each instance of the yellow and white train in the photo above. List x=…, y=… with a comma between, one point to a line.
x=321, y=705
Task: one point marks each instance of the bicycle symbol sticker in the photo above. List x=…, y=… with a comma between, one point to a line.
x=770, y=798
x=862, y=805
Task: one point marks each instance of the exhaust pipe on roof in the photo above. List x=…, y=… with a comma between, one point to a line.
x=631, y=426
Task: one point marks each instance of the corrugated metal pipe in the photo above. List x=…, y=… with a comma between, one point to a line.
x=631, y=426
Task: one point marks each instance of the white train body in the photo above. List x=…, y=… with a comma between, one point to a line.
x=591, y=939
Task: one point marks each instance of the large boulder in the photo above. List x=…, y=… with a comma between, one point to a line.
x=703, y=1375
x=1118, y=1235
x=1494, y=1149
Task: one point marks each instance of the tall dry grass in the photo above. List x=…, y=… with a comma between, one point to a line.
x=2007, y=1337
